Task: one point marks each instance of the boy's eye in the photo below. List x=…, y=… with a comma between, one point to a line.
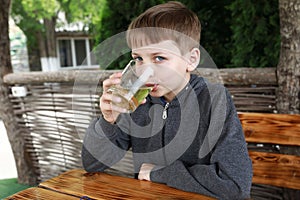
x=138, y=59
x=159, y=58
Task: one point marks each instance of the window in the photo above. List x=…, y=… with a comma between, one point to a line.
x=75, y=52
x=80, y=51
x=65, y=54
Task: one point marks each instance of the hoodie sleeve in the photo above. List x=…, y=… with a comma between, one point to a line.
x=229, y=172
x=104, y=145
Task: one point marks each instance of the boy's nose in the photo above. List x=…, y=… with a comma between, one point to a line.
x=147, y=61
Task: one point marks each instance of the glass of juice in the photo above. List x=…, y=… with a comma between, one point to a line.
x=135, y=86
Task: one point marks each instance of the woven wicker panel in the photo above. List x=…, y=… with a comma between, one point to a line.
x=53, y=118
x=254, y=98
x=51, y=128
x=252, y=90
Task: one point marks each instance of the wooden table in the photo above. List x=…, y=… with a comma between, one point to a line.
x=77, y=184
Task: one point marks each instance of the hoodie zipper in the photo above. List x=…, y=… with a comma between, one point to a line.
x=165, y=114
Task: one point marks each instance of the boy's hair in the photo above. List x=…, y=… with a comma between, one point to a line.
x=168, y=21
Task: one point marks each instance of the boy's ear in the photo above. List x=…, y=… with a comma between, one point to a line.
x=194, y=59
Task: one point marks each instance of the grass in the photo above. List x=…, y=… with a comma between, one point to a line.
x=10, y=186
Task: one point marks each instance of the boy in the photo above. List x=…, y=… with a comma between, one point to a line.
x=187, y=133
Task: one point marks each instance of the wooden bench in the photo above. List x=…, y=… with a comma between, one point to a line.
x=268, y=137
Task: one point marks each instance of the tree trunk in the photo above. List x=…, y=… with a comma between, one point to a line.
x=42, y=45
x=34, y=57
x=49, y=25
x=5, y=60
x=288, y=69
x=25, y=170
x=50, y=61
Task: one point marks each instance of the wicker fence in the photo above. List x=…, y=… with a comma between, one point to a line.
x=58, y=107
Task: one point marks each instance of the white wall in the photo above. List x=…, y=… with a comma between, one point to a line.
x=7, y=162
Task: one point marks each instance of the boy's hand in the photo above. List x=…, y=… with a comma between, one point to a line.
x=145, y=170
x=110, y=114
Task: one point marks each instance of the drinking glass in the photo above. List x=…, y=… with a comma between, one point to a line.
x=134, y=87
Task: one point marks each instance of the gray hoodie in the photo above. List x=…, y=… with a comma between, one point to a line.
x=196, y=142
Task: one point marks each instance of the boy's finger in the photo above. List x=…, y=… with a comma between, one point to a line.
x=116, y=75
x=110, y=82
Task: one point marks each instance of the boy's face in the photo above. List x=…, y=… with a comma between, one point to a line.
x=170, y=67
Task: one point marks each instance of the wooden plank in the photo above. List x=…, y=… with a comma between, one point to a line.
x=276, y=169
x=101, y=185
x=283, y=129
x=232, y=76
x=83, y=76
x=239, y=76
x=36, y=193
x=260, y=89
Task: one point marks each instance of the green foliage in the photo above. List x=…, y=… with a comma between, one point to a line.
x=26, y=21
x=41, y=9
x=216, y=32
x=88, y=12
x=29, y=14
x=256, y=37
